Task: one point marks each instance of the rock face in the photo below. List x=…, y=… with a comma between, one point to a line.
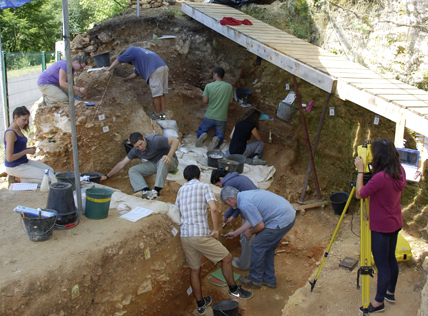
x=389, y=36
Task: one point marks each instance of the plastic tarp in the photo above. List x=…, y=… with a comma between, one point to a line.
x=4, y=4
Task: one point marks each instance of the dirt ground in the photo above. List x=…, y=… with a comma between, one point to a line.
x=104, y=257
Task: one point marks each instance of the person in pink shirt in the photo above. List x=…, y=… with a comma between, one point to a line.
x=384, y=189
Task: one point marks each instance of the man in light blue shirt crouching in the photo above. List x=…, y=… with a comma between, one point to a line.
x=269, y=217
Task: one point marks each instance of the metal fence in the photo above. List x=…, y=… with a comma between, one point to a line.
x=21, y=71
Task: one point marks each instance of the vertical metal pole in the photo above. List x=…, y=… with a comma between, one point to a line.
x=317, y=137
x=43, y=61
x=71, y=105
x=5, y=91
x=308, y=142
x=138, y=8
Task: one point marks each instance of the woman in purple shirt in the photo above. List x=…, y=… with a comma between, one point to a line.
x=16, y=162
x=53, y=81
x=384, y=189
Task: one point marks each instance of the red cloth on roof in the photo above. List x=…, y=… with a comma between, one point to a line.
x=233, y=21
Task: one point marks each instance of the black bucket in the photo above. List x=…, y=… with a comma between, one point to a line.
x=239, y=159
x=228, y=308
x=128, y=145
x=338, y=201
x=102, y=60
x=39, y=229
x=93, y=176
x=61, y=199
x=213, y=162
x=67, y=177
x=243, y=94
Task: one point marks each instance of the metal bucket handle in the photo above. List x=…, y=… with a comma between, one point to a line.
x=22, y=219
x=222, y=311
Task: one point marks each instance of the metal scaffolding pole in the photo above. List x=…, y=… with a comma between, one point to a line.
x=71, y=105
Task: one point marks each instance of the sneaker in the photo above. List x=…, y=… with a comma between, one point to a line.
x=154, y=116
x=258, y=161
x=149, y=195
x=214, y=143
x=208, y=300
x=162, y=116
x=241, y=293
x=247, y=281
x=269, y=285
x=201, y=140
x=390, y=298
x=153, y=195
x=234, y=260
x=372, y=309
x=146, y=194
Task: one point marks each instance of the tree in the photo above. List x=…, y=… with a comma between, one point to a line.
x=35, y=26
x=104, y=9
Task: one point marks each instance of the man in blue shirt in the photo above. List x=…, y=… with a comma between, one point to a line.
x=149, y=66
x=270, y=217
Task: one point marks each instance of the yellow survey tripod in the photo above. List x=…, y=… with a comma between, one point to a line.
x=366, y=270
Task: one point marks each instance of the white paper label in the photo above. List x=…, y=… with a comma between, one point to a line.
x=174, y=231
x=287, y=86
x=105, y=129
x=189, y=290
x=331, y=111
x=376, y=120
x=101, y=117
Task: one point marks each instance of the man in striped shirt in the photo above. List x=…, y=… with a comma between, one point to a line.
x=196, y=238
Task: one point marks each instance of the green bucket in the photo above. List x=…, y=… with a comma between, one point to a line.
x=97, y=202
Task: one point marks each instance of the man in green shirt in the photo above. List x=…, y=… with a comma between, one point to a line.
x=218, y=95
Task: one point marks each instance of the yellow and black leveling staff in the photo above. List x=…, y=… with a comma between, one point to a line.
x=366, y=268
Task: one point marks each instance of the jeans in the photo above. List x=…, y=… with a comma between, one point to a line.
x=254, y=148
x=147, y=168
x=207, y=124
x=383, y=249
x=263, y=253
x=244, y=261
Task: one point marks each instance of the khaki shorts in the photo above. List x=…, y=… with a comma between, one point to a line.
x=211, y=248
x=158, y=81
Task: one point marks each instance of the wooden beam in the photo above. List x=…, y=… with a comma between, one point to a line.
x=399, y=132
x=292, y=66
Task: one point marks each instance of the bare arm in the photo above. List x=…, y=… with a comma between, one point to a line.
x=63, y=82
x=205, y=99
x=231, y=101
x=130, y=77
x=10, y=146
x=114, y=64
x=173, y=142
x=231, y=133
x=119, y=166
x=214, y=217
x=256, y=134
x=260, y=226
x=239, y=231
x=359, y=163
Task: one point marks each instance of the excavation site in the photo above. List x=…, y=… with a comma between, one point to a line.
x=119, y=265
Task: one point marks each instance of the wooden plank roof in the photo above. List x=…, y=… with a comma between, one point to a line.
x=378, y=93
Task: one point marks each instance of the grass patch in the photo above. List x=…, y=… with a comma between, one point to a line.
x=24, y=71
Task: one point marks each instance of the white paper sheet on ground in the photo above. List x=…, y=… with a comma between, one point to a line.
x=23, y=186
x=136, y=214
x=95, y=69
x=262, y=176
